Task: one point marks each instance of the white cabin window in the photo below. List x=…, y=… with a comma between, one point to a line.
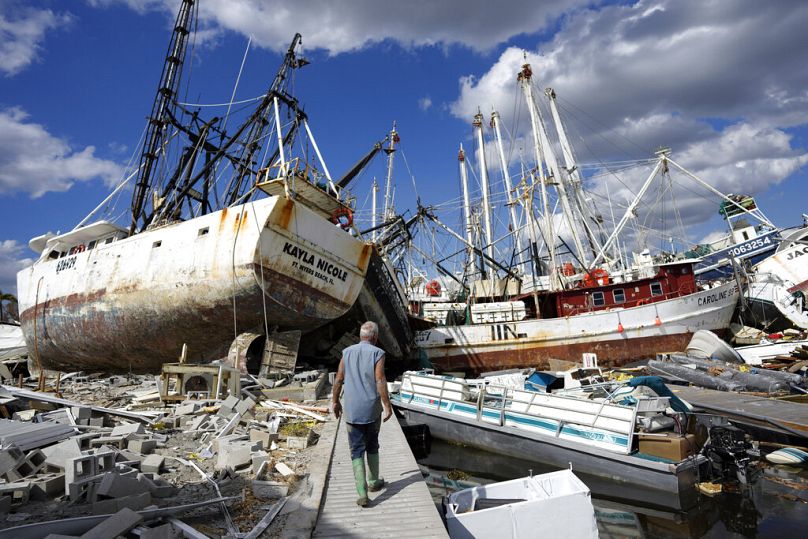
x=91, y=245
x=656, y=289
x=619, y=295
x=598, y=299
x=203, y=231
x=108, y=240
x=157, y=244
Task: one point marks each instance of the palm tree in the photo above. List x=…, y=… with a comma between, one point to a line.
x=8, y=304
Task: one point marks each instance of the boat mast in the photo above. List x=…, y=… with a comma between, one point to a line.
x=461, y=158
x=555, y=172
x=508, y=188
x=375, y=191
x=489, y=237
x=388, y=186
x=162, y=109
x=524, y=79
x=574, y=175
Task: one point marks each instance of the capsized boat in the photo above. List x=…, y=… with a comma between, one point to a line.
x=204, y=258
x=558, y=501
x=631, y=436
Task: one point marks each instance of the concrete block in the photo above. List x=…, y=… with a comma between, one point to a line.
x=218, y=443
x=47, y=486
x=19, y=491
x=199, y=422
x=234, y=455
x=152, y=464
x=186, y=408
x=57, y=455
x=265, y=438
x=9, y=457
x=5, y=504
x=159, y=488
x=81, y=412
x=24, y=415
x=144, y=447
x=230, y=403
x=129, y=456
x=135, y=502
x=117, y=486
x=125, y=430
x=258, y=458
x=96, y=421
x=84, y=489
x=244, y=406
x=79, y=469
x=118, y=524
x=115, y=441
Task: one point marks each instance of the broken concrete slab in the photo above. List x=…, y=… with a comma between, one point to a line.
x=130, y=428
x=234, y=455
x=118, y=524
x=135, y=502
x=152, y=464
x=57, y=455
x=144, y=447
x=118, y=486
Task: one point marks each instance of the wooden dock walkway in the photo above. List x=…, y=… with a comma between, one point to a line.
x=788, y=419
x=404, y=508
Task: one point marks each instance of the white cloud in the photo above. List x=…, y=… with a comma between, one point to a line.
x=21, y=36
x=12, y=260
x=425, y=103
x=34, y=161
x=339, y=27
x=719, y=82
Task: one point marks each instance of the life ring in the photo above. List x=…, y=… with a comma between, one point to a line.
x=345, y=212
x=596, y=277
x=642, y=302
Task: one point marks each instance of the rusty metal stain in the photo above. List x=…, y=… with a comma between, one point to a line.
x=286, y=214
x=612, y=353
x=364, y=258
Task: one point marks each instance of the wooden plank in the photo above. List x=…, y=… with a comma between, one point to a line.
x=404, y=508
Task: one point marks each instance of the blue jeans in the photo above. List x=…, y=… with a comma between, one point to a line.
x=363, y=437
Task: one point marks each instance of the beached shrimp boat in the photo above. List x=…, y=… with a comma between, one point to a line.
x=620, y=322
x=199, y=264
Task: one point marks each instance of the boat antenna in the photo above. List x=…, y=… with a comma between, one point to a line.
x=163, y=107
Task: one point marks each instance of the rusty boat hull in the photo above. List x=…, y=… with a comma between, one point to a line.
x=617, y=336
x=132, y=303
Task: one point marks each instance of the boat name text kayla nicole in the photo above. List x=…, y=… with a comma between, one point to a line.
x=324, y=266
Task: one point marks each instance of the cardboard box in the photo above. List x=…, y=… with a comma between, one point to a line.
x=668, y=445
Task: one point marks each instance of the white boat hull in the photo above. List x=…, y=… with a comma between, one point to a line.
x=134, y=302
x=531, y=343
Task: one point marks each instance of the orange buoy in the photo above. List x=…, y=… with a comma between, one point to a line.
x=657, y=322
x=619, y=327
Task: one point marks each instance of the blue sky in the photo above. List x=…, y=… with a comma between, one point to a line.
x=722, y=83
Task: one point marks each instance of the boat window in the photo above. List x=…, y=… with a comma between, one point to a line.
x=108, y=240
x=91, y=245
x=157, y=244
x=598, y=299
x=656, y=289
x=203, y=231
x=619, y=295
x=54, y=254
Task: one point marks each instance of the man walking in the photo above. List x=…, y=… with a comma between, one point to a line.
x=361, y=370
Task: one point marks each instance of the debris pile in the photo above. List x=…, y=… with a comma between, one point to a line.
x=167, y=456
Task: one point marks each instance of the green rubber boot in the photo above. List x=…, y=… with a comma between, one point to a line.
x=359, y=477
x=374, y=481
